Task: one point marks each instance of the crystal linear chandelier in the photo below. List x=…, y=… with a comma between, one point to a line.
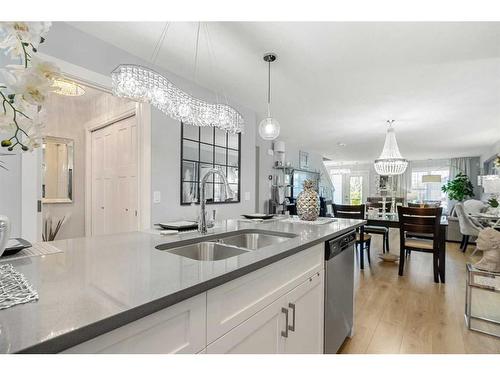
x=142, y=84
x=390, y=161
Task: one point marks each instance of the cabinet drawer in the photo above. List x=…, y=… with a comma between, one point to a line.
x=176, y=329
x=230, y=304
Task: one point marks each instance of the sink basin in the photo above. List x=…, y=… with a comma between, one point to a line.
x=208, y=251
x=225, y=245
x=254, y=240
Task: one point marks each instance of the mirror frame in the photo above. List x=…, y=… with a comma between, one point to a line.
x=71, y=161
x=200, y=142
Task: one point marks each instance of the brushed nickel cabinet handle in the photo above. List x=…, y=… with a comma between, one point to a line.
x=292, y=327
x=285, y=332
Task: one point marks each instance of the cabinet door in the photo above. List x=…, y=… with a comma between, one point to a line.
x=232, y=303
x=260, y=334
x=176, y=329
x=306, y=312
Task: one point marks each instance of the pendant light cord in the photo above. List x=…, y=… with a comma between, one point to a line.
x=269, y=89
x=159, y=43
x=196, y=51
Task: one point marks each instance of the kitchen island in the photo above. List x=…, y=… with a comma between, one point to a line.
x=118, y=293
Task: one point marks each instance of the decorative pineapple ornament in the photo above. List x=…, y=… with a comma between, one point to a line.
x=308, y=202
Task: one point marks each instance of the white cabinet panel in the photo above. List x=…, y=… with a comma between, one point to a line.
x=306, y=312
x=261, y=334
x=177, y=329
x=232, y=303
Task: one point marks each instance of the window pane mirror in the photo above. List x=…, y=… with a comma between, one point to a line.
x=57, y=170
x=203, y=148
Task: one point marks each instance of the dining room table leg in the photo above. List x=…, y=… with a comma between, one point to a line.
x=442, y=253
x=361, y=248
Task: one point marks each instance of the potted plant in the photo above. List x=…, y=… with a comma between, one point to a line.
x=459, y=188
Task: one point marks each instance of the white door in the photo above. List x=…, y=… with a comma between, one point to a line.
x=114, y=178
x=260, y=334
x=306, y=311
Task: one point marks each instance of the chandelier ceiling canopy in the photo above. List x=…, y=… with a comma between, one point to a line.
x=142, y=84
x=390, y=162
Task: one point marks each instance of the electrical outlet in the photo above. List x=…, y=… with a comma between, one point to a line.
x=156, y=197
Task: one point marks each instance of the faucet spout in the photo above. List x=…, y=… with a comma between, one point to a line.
x=202, y=223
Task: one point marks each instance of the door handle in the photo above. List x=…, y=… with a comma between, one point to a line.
x=285, y=332
x=292, y=327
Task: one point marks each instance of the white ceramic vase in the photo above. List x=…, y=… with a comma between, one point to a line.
x=4, y=233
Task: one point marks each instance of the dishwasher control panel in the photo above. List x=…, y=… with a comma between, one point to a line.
x=335, y=246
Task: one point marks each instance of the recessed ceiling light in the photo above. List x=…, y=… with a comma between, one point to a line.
x=341, y=144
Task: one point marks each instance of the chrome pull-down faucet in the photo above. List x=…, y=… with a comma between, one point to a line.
x=202, y=223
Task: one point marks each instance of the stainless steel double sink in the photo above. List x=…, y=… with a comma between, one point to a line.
x=225, y=245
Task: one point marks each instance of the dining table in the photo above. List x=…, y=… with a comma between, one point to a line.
x=487, y=219
x=391, y=220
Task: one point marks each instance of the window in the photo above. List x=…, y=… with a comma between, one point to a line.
x=428, y=191
x=203, y=148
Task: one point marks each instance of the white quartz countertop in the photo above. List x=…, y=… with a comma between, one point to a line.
x=97, y=284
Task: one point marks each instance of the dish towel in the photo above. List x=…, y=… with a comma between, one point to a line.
x=14, y=288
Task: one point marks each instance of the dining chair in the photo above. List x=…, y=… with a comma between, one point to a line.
x=468, y=227
x=363, y=240
x=421, y=221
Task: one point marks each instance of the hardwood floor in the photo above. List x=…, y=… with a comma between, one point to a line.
x=412, y=314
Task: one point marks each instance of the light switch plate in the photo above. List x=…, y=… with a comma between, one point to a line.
x=247, y=195
x=156, y=196
x=270, y=152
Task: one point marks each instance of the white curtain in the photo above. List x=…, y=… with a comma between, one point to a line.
x=458, y=165
x=403, y=182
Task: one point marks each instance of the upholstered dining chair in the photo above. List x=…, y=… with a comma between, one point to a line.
x=420, y=221
x=468, y=227
x=355, y=212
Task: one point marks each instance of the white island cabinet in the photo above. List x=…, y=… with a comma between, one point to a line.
x=275, y=309
x=291, y=324
x=177, y=329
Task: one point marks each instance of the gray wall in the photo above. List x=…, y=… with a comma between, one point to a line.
x=72, y=45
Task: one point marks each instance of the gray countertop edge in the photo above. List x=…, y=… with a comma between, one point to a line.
x=88, y=332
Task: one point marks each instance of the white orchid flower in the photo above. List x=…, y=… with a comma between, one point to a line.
x=32, y=87
x=12, y=46
x=45, y=69
x=6, y=123
x=28, y=32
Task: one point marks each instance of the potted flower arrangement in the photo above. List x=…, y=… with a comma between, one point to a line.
x=23, y=89
x=25, y=85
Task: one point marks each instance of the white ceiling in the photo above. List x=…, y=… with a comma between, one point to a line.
x=338, y=82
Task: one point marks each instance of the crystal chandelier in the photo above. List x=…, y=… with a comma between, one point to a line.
x=142, y=84
x=67, y=88
x=390, y=161
x=269, y=128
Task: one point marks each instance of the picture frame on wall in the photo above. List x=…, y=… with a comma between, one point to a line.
x=303, y=160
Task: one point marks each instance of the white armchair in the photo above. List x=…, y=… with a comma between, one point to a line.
x=468, y=227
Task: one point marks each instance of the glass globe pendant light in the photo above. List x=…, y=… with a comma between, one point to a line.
x=390, y=162
x=269, y=128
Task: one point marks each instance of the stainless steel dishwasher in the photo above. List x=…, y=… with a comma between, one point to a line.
x=339, y=291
